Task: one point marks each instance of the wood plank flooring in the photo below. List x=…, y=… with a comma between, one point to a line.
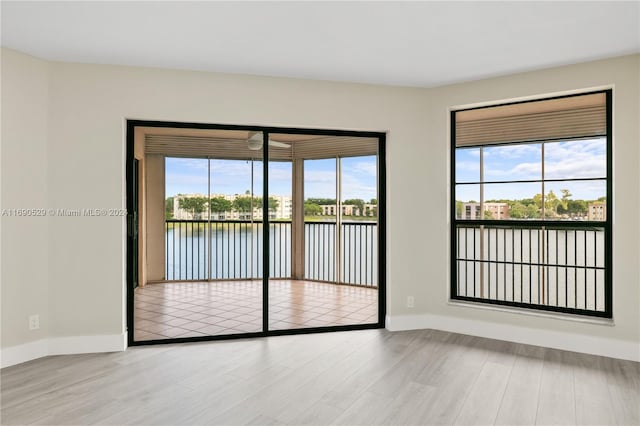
x=364, y=377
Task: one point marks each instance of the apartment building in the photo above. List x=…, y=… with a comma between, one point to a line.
x=491, y=210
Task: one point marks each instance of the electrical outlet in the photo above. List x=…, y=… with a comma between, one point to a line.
x=34, y=322
x=410, y=302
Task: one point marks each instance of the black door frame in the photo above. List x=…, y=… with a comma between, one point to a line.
x=131, y=209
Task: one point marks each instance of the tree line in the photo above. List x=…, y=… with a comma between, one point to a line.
x=313, y=206
x=198, y=205
x=531, y=208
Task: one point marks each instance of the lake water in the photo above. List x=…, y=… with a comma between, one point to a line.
x=235, y=250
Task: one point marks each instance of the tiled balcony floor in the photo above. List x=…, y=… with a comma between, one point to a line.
x=188, y=309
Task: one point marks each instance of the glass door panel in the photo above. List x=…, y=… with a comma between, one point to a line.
x=204, y=248
x=321, y=208
x=359, y=237
x=236, y=245
x=307, y=237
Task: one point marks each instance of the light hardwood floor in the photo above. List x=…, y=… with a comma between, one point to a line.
x=357, y=378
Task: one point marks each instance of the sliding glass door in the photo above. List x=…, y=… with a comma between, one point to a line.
x=335, y=229
x=233, y=245
x=208, y=279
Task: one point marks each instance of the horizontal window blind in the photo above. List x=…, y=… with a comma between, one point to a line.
x=570, y=117
x=238, y=149
x=334, y=146
x=203, y=146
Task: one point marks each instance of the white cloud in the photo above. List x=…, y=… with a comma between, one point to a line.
x=368, y=168
x=520, y=171
x=566, y=160
x=473, y=166
x=319, y=184
x=354, y=187
x=563, y=160
x=526, y=151
x=576, y=159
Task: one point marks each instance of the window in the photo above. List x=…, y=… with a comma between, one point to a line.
x=531, y=204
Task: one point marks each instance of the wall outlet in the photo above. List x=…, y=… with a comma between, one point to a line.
x=34, y=322
x=411, y=302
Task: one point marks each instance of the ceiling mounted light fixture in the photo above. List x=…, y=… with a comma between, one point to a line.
x=255, y=141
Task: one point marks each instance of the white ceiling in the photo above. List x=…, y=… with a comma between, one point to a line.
x=409, y=43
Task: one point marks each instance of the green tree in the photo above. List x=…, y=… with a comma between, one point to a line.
x=537, y=200
x=219, y=205
x=551, y=204
x=577, y=207
x=273, y=204
x=459, y=208
x=487, y=215
x=168, y=208
x=563, y=206
x=195, y=205
x=517, y=210
x=243, y=204
x=532, y=212
x=312, y=209
x=322, y=201
x=373, y=201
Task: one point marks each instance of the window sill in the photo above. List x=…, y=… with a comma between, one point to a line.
x=533, y=312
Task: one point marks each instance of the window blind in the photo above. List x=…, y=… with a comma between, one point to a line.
x=568, y=117
x=237, y=149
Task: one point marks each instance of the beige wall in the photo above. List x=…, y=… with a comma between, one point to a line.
x=88, y=105
x=25, y=253
x=623, y=75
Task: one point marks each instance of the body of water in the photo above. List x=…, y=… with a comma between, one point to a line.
x=234, y=250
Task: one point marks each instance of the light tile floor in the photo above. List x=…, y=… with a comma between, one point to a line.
x=190, y=309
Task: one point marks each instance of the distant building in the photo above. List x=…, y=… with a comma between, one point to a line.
x=497, y=210
x=347, y=210
x=283, y=211
x=350, y=210
x=181, y=214
x=285, y=207
x=597, y=211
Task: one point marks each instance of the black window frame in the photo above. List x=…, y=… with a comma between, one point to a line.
x=131, y=234
x=456, y=223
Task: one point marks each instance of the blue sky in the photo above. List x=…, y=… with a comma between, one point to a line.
x=189, y=175
x=563, y=160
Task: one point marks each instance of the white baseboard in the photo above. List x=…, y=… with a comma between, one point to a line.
x=87, y=344
x=531, y=336
x=22, y=353
x=62, y=346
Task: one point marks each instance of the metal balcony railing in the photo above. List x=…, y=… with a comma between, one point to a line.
x=550, y=266
x=357, y=259
x=232, y=249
